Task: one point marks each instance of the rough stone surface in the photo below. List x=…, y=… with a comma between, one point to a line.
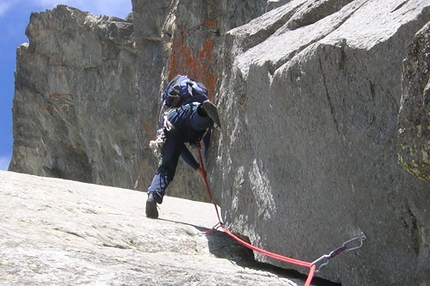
x=309, y=94
x=414, y=115
x=59, y=232
x=308, y=156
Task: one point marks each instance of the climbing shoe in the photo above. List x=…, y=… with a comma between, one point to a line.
x=151, y=206
x=212, y=111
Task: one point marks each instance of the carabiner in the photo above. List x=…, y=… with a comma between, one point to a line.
x=325, y=259
x=362, y=237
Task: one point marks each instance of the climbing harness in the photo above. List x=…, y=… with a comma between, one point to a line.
x=349, y=245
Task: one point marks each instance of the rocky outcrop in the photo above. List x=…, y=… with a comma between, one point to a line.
x=59, y=232
x=309, y=94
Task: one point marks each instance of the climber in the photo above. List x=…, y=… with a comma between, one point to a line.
x=188, y=123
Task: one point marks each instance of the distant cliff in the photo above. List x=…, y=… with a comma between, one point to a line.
x=324, y=106
x=75, y=98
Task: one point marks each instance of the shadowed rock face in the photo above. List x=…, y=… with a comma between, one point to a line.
x=319, y=100
x=414, y=116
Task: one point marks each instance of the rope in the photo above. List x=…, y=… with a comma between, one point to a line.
x=205, y=180
x=311, y=266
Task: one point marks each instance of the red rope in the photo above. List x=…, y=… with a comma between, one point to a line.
x=309, y=265
x=202, y=166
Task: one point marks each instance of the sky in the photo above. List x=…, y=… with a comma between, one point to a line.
x=14, y=18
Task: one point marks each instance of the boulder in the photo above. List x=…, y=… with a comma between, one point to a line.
x=308, y=156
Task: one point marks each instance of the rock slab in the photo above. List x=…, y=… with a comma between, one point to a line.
x=60, y=232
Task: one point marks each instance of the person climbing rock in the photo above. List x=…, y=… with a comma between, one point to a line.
x=186, y=121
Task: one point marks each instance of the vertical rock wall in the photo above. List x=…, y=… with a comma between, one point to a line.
x=308, y=157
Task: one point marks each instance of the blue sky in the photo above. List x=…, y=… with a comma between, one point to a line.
x=14, y=18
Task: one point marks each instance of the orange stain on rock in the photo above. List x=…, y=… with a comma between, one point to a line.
x=199, y=64
x=213, y=24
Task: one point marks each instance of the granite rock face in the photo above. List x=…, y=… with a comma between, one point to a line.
x=60, y=232
x=319, y=100
x=308, y=157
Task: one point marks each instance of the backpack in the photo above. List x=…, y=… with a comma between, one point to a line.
x=182, y=90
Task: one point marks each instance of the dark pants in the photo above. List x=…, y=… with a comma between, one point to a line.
x=186, y=120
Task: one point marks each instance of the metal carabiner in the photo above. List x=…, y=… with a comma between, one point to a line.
x=325, y=259
x=362, y=237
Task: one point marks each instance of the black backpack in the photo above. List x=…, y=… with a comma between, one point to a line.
x=182, y=90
